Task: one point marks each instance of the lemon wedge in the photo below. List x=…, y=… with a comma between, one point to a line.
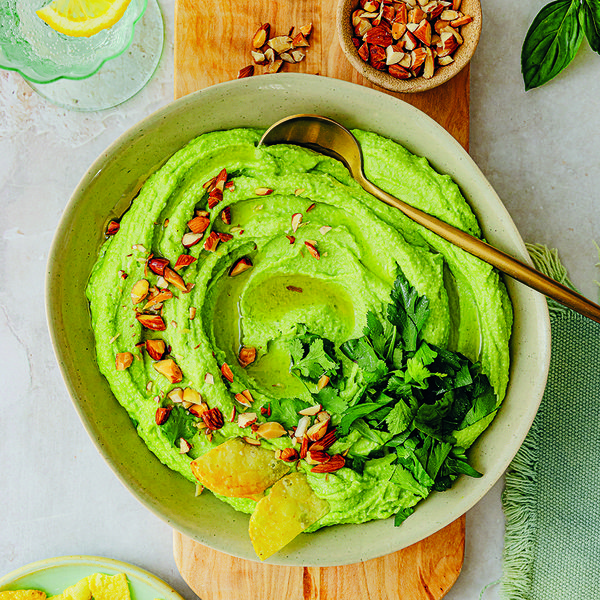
x=82, y=18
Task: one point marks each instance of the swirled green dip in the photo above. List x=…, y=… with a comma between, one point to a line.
x=360, y=242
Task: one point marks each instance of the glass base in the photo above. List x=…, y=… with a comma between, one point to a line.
x=119, y=78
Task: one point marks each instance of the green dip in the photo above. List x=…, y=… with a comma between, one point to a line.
x=261, y=307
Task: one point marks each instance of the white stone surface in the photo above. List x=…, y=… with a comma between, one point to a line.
x=57, y=496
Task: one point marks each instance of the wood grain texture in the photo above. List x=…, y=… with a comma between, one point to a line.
x=212, y=43
x=423, y=571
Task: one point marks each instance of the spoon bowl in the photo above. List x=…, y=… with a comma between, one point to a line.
x=329, y=137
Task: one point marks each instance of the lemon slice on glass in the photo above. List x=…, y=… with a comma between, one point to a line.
x=82, y=18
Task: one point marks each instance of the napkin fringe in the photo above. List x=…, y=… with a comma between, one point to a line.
x=547, y=261
x=518, y=498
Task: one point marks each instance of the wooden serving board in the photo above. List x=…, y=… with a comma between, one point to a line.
x=212, y=43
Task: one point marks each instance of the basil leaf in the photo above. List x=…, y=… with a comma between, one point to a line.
x=551, y=42
x=590, y=19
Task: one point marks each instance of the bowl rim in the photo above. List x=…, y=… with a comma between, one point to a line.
x=26, y=74
x=414, y=84
x=288, y=82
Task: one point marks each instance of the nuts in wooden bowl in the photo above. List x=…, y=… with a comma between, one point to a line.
x=409, y=45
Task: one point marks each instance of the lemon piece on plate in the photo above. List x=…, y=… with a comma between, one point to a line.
x=82, y=18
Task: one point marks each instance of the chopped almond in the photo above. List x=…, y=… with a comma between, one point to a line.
x=243, y=264
x=227, y=372
x=155, y=349
x=185, y=260
x=247, y=356
x=123, y=360
x=162, y=414
x=114, y=226
x=169, y=369
x=270, y=430
x=153, y=322
x=139, y=291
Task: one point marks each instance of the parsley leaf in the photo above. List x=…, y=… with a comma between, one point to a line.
x=180, y=424
x=285, y=411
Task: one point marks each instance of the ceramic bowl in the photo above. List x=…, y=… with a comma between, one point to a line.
x=469, y=32
x=105, y=192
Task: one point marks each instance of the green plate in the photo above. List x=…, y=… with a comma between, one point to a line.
x=53, y=575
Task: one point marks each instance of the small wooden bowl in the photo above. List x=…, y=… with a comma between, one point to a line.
x=470, y=33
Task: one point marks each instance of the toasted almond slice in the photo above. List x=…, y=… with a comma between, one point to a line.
x=176, y=395
x=398, y=30
x=263, y=191
x=114, y=226
x=123, y=360
x=423, y=32
x=291, y=238
x=226, y=215
x=259, y=58
x=169, y=369
x=296, y=220
x=139, y=291
x=280, y=43
x=323, y=382
x=274, y=66
x=260, y=37
x=325, y=442
x=212, y=241
x=196, y=409
x=392, y=56
x=227, y=372
x=191, y=395
x=191, y=239
x=246, y=71
x=209, y=378
x=287, y=57
x=243, y=264
x=461, y=21
x=155, y=349
x=289, y=454
x=297, y=55
x=301, y=428
x=300, y=41
x=175, y=279
x=184, y=446
x=184, y=260
x=270, y=55
x=317, y=456
x=429, y=68
x=318, y=430
x=199, y=224
x=252, y=441
x=241, y=398
x=306, y=30
x=162, y=414
x=247, y=356
x=271, y=430
x=157, y=265
x=445, y=60
x=312, y=249
x=449, y=15
x=335, y=463
x=153, y=322
x=246, y=419
x=310, y=411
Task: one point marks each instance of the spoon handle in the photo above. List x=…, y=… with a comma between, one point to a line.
x=502, y=261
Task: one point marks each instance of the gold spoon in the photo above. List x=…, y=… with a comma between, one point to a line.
x=329, y=137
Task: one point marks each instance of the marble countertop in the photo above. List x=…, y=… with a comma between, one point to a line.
x=57, y=495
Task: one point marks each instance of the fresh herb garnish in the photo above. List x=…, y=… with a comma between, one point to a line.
x=411, y=395
x=555, y=36
x=180, y=424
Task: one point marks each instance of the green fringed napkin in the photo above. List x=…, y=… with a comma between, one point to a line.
x=552, y=495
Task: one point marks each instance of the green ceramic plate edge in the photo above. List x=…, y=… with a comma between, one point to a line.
x=107, y=189
x=53, y=575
